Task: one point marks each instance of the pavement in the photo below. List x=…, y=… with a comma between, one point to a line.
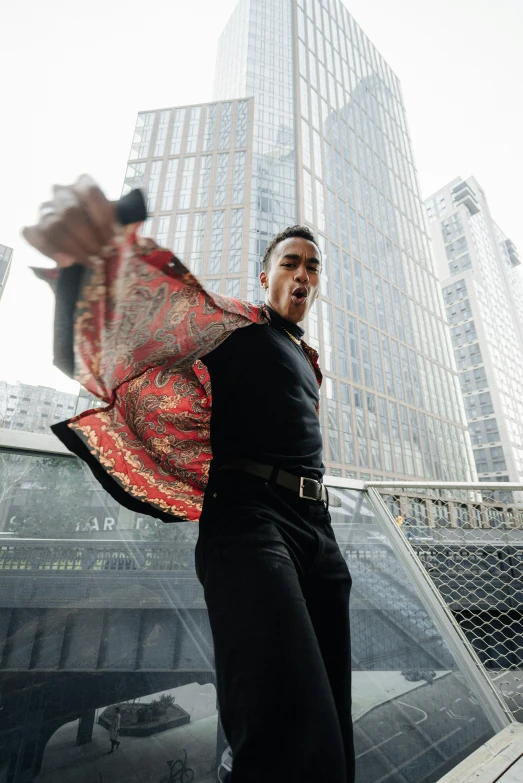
x=372, y=688
x=376, y=696
x=138, y=759
x=420, y=735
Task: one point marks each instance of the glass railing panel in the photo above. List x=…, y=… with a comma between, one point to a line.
x=99, y=608
x=415, y=714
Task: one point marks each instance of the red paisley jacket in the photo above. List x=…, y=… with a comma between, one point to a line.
x=131, y=328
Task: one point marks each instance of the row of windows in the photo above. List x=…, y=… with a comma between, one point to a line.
x=368, y=89
x=191, y=124
x=492, y=459
x=370, y=431
x=372, y=358
x=478, y=405
x=353, y=45
x=370, y=149
x=220, y=230
x=170, y=183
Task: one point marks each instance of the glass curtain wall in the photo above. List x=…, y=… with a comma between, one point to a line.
x=380, y=325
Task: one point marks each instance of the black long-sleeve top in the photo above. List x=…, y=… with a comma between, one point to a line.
x=265, y=399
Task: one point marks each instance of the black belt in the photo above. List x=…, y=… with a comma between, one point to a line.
x=307, y=488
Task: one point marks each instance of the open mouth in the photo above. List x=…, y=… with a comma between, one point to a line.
x=299, y=295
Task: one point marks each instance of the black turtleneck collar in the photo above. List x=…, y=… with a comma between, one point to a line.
x=277, y=321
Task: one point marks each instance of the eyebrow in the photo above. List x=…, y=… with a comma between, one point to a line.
x=296, y=257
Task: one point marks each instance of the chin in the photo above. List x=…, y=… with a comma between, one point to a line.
x=296, y=318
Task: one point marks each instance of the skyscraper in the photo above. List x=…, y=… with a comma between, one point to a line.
x=195, y=163
x=6, y=254
x=482, y=286
x=326, y=144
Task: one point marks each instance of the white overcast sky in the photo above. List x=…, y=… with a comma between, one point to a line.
x=74, y=75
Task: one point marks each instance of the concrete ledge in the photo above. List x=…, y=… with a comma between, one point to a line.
x=489, y=762
x=32, y=441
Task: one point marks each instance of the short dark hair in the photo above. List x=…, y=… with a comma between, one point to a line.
x=292, y=231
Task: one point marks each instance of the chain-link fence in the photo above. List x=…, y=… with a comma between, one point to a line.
x=470, y=542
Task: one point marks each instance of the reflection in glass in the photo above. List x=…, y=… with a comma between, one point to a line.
x=415, y=716
x=101, y=608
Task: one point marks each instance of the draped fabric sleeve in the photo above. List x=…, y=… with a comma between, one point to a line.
x=135, y=308
x=131, y=327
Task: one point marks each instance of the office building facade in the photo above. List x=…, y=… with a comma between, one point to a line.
x=324, y=143
x=30, y=408
x=482, y=284
x=6, y=255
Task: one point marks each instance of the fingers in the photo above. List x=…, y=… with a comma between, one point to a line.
x=101, y=212
x=75, y=224
x=39, y=241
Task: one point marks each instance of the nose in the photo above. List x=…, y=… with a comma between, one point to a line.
x=302, y=276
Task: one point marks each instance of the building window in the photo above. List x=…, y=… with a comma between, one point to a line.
x=162, y=230
x=191, y=142
x=238, y=178
x=456, y=248
x=161, y=134
x=242, y=117
x=452, y=227
x=235, y=241
x=320, y=206
x=134, y=176
x=198, y=239
x=142, y=136
x=204, y=181
x=220, y=185
x=184, y=199
x=308, y=209
x=180, y=235
x=169, y=185
x=232, y=287
x=306, y=145
x=153, y=182
x=213, y=286
x=177, y=133
x=209, y=127
x=224, y=139
x=216, y=248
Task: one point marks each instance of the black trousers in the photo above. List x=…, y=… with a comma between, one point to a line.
x=277, y=591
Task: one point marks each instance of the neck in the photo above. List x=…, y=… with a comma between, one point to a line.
x=281, y=322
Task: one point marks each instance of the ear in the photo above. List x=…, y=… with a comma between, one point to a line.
x=264, y=279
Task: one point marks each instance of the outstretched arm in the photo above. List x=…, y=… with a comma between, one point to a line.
x=118, y=297
x=123, y=305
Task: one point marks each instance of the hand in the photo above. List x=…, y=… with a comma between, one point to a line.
x=76, y=224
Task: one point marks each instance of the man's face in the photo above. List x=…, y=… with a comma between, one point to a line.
x=293, y=280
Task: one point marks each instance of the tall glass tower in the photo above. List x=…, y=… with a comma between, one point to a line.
x=326, y=144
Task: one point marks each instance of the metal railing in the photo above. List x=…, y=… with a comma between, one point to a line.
x=468, y=538
x=66, y=556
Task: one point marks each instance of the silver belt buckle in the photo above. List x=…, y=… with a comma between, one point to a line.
x=303, y=493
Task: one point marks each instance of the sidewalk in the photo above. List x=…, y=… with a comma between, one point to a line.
x=372, y=688
x=138, y=759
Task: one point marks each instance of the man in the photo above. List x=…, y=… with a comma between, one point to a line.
x=114, y=730
x=276, y=585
